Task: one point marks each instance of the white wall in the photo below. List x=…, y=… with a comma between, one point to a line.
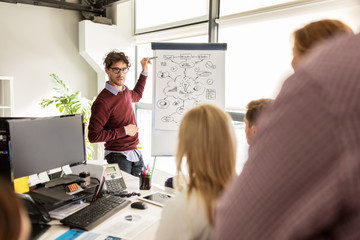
x=35, y=42
x=96, y=40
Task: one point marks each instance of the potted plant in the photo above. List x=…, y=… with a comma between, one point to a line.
x=71, y=103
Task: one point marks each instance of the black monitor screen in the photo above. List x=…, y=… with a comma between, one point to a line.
x=41, y=144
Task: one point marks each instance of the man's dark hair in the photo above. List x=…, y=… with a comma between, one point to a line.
x=254, y=108
x=115, y=56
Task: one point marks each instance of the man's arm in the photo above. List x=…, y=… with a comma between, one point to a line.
x=139, y=88
x=99, y=116
x=140, y=85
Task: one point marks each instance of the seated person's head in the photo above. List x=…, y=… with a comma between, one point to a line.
x=14, y=221
x=253, y=111
x=313, y=33
x=207, y=141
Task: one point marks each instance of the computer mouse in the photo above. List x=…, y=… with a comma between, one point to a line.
x=139, y=205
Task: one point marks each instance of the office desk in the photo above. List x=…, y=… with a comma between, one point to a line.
x=132, y=184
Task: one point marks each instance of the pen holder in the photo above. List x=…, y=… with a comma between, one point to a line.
x=144, y=182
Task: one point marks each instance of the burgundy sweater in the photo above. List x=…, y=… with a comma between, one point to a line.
x=111, y=113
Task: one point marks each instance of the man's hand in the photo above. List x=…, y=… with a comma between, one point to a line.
x=144, y=64
x=131, y=129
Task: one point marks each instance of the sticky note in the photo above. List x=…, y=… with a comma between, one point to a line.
x=54, y=170
x=44, y=177
x=33, y=179
x=66, y=169
x=21, y=185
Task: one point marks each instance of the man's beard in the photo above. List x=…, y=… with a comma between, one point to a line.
x=116, y=82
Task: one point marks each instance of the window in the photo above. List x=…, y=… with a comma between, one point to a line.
x=258, y=60
x=259, y=54
x=236, y=6
x=153, y=15
x=144, y=117
x=242, y=146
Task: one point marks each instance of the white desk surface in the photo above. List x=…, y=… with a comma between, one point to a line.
x=132, y=184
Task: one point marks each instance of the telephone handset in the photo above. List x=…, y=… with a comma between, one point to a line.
x=37, y=213
x=114, y=181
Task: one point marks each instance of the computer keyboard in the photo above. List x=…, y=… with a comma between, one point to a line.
x=96, y=212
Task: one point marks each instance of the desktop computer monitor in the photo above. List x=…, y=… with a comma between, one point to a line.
x=41, y=144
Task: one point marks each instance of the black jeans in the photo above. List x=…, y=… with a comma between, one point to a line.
x=133, y=168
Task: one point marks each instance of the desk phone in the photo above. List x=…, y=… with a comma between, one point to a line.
x=114, y=181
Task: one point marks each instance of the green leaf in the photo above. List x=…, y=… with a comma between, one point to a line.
x=70, y=103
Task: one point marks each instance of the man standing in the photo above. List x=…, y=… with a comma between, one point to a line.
x=112, y=117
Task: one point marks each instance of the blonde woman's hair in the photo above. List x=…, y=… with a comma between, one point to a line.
x=207, y=141
x=314, y=32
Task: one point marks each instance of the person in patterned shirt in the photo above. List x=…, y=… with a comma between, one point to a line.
x=302, y=177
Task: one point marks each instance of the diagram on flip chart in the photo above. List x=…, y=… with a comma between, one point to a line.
x=184, y=76
x=185, y=79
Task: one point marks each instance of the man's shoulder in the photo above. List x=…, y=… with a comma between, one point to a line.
x=103, y=97
x=104, y=94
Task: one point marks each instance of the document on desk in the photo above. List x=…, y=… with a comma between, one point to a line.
x=82, y=235
x=59, y=233
x=126, y=225
x=62, y=212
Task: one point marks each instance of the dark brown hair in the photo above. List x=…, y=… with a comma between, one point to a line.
x=254, y=108
x=10, y=213
x=115, y=56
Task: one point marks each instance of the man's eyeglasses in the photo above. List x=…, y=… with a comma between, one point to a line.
x=117, y=70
